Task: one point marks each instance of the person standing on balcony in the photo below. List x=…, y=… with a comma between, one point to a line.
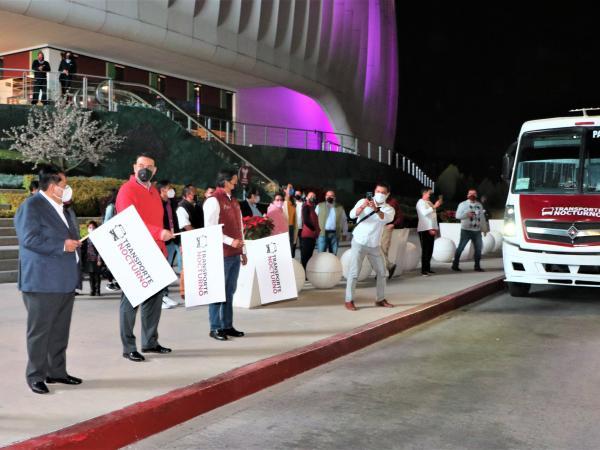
x=170, y=222
x=248, y=206
x=223, y=208
x=386, y=236
x=310, y=228
x=372, y=214
x=138, y=191
x=67, y=68
x=332, y=222
x=427, y=228
x=40, y=68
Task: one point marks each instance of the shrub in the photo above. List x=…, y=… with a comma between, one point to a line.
x=8, y=181
x=88, y=194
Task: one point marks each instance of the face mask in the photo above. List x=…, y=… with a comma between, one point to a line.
x=67, y=194
x=379, y=197
x=298, y=197
x=472, y=197
x=257, y=199
x=313, y=200
x=195, y=199
x=171, y=193
x=292, y=192
x=144, y=175
x=330, y=199
x=278, y=203
x=90, y=229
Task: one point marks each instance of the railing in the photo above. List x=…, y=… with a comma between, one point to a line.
x=17, y=86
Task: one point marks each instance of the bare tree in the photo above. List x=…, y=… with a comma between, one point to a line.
x=64, y=135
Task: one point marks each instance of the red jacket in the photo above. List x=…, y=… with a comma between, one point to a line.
x=310, y=222
x=148, y=204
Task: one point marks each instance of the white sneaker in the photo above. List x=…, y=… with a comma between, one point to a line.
x=166, y=306
x=169, y=301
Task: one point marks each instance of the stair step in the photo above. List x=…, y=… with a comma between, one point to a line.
x=9, y=252
x=8, y=231
x=9, y=264
x=7, y=222
x=8, y=240
x=8, y=276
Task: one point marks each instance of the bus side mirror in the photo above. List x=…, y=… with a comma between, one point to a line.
x=508, y=161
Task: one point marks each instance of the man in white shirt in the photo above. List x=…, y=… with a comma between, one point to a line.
x=427, y=228
x=372, y=213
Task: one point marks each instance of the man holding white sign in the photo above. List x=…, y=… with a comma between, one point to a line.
x=223, y=208
x=139, y=192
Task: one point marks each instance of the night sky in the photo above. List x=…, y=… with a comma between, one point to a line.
x=466, y=85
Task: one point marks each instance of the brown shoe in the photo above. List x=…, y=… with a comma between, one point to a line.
x=350, y=306
x=384, y=303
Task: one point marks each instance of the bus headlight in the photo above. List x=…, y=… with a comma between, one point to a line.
x=509, y=228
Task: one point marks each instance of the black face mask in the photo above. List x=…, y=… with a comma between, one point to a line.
x=313, y=200
x=298, y=197
x=144, y=175
x=330, y=199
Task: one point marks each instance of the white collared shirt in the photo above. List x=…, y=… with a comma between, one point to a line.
x=61, y=213
x=427, y=216
x=212, y=210
x=368, y=232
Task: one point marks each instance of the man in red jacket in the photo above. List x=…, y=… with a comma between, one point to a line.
x=138, y=191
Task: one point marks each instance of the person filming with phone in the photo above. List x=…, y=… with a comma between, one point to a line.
x=427, y=227
x=471, y=215
x=372, y=214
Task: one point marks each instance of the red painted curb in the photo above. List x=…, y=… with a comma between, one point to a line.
x=143, y=419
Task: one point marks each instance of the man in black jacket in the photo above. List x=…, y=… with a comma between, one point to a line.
x=67, y=68
x=40, y=69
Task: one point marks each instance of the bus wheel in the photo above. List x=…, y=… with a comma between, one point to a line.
x=518, y=289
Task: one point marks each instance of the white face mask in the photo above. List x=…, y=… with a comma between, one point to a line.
x=379, y=197
x=171, y=193
x=90, y=229
x=67, y=194
x=278, y=203
x=257, y=199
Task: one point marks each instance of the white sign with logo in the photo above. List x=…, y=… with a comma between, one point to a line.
x=204, y=276
x=135, y=260
x=272, y=258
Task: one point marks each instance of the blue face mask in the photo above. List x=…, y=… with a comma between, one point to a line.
x=292, y=192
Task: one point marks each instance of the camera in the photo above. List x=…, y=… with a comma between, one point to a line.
x=369, y=196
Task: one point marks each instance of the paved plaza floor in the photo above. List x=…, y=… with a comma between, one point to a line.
x=112, y=382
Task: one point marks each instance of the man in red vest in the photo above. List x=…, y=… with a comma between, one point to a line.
x=138, y=191
x=223, y=208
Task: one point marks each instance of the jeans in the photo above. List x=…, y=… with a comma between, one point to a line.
x=220, y=315
x=328, y=242
x=173, y=252
x=466, y=236
x=358, y=253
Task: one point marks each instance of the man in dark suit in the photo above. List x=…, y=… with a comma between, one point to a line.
x=48, y=276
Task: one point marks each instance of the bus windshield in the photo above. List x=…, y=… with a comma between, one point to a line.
x=549, y=162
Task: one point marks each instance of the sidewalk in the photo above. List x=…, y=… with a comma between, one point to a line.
x=111, y=382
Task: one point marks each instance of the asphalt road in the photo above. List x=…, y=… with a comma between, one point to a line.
x=503, y=373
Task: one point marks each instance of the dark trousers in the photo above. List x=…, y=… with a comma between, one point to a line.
x=48, y=325
x=465, y=236
x=307, y=247
x=220, y=315
x=65, y=84
x=427, y=241
x=292, y=243
x=40, y=86
x=95, y=283
x=151, y=310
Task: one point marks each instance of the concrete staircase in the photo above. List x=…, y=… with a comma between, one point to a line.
x=9, y=252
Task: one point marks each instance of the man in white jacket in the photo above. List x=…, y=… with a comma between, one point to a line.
x=372, y=213
x=471, y=213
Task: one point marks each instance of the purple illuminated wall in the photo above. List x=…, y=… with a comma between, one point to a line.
x=281, y=108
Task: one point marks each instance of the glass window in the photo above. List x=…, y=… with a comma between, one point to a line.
x=548, y=162
x=591, y=173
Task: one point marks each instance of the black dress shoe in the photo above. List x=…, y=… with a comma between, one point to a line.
x=219, y=335
x=157, y=349
x=430, y=271
x=391, y=271
x=456, y=269
x=479, y=269
x=233, y=332
x=134, y=356
x=67, y=380
x=39, y=387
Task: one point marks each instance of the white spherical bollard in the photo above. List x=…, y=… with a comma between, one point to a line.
x=299, y=275
x=324, y=270
x=411, y=257
x=488, y=242
x=443, y=250
x=497, y=240
x=365, y=270
x=468, y=252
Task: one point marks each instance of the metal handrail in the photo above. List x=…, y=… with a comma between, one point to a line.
x=195, y=122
